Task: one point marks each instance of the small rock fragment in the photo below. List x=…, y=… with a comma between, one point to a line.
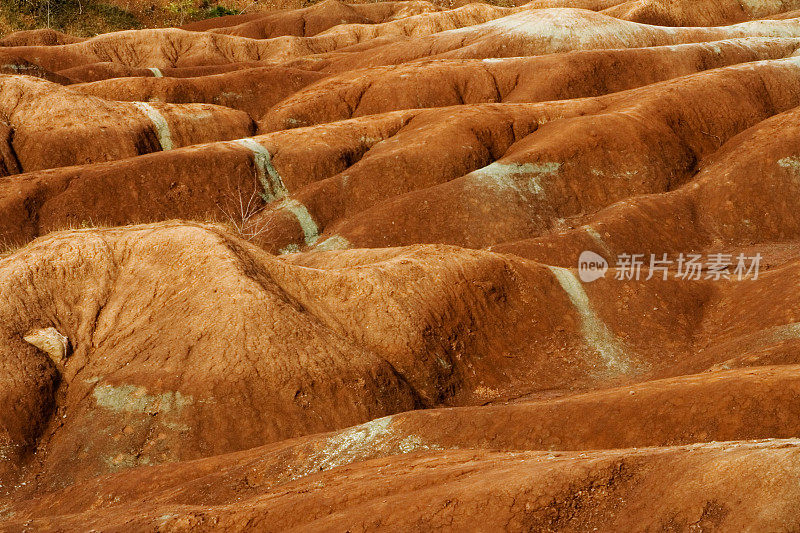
x=51, y=342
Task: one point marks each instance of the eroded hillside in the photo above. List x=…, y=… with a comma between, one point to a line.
x=318, y=270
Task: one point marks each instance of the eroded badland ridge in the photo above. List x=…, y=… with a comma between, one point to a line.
x=404, y=266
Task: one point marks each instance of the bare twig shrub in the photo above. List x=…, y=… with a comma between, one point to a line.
x=241, y=209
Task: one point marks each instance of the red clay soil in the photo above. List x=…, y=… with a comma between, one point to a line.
x=10, y=64
x=252, y=90
x=316, y=270
x=317, y=18
x=82, y=130
x=41, y=37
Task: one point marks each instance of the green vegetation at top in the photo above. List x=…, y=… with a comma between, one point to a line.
x=91, y=17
